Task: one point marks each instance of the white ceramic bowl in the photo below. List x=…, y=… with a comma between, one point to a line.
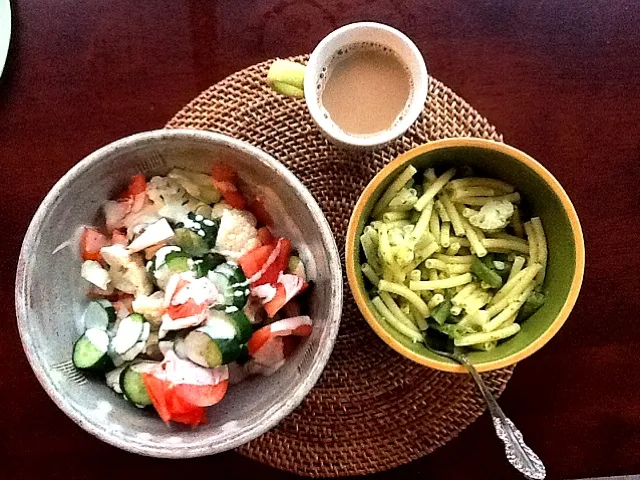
x=50, y=294
x=359, y=33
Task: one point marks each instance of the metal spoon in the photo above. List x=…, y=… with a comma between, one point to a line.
x=518, y=453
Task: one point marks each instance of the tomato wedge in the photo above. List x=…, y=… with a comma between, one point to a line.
x=224, y=173
x=91, y=242
x=225, y=180
x=169, y=404
x=279, y=264
x=258, y=339
x=252, y=261
x=202, y=395
x=156, y=389
x=187, y=309
x=119, y=237
x=277, y=302
x=265, y=236
x=195, y=417
x=298, y=326
x=257, y=208
x=138, y=185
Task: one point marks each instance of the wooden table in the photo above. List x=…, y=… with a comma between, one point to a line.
x=559, y=79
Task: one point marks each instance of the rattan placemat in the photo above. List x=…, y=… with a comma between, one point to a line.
x=371, y=410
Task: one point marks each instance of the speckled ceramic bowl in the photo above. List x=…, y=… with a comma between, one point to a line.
x=50, y=294
x=542, y=196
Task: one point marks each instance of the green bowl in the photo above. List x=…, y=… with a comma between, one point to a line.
x=542, y=196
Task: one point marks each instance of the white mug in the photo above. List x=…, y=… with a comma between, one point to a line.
x=356, y=33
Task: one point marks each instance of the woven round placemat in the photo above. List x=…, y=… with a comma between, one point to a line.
x=372, y=409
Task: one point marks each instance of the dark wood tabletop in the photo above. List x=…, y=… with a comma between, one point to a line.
x=560, y=80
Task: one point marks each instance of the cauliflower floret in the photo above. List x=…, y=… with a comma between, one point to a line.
x=93, y=272
x=173, y=201
x=494, y=215
x=151, y=307
x=218, y=209
x=127, y=270
x=237, y=233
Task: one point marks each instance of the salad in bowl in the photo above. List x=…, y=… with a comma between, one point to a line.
x=191, y=292
x=259, y=371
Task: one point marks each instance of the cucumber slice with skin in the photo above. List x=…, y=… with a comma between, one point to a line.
x=204, y=232
x=109, y=308
x=132, y=384
x=161, y=255
x=178, y=262
x=220, y=325
x=232, y=285
x=243, y=357
x=128, y=333
x=210, y=352
x=179, y=348
x=112, y=378
x=95, y=316
x=90, y=351
x=191, y=242
x=244, y=330
x=207, y=263
x=221, y=341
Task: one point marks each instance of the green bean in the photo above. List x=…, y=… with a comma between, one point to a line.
x=442, y=312
x=486, y=274
x=531, y=305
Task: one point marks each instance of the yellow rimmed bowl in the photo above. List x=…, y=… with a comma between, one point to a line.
x=542, y=195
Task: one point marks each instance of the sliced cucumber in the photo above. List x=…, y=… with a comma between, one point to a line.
x=297, y=267
x=232, y=285
x=179, y=348
x=90, y=351
x=220, y=325
x=221, y=341
x=210, y=352
x=207, y=263
x=243, y=357
x=178, y=262
x=109, y=308
x=128, y=333
x=132, y=384
x=242, y=325
x=191, y=242
x=161, y=255
x=112, y=378
x=202, y=236
x=95, y=316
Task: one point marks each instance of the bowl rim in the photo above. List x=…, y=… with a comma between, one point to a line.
x=351, y=252
x=203, y=446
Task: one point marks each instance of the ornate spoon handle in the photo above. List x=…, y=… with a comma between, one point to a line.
x=518, y=453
